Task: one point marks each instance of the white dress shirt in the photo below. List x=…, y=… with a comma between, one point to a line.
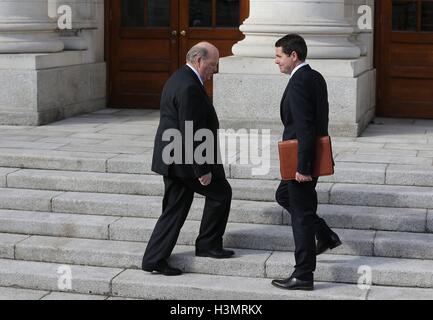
x=298, y=67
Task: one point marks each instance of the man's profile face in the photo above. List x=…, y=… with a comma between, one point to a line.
x=207, y=67
x=287, y=63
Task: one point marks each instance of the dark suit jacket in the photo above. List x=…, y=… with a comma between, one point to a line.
x=185, y=99
x=304, y=113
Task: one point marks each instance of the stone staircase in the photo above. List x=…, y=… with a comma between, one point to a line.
x=80, y=193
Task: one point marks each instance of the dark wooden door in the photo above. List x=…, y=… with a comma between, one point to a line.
x=404, y=58
x=148, y=40
x=215, y=21
x=143, y=50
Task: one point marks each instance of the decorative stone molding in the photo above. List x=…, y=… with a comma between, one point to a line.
x=326, y=25
x=83, y=18
x=25, y=27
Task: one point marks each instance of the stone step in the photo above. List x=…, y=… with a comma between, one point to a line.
x=151, y=185
x=8, y=293
x=243, y=189
x=27, y=199
x=55, y=160
x=135, y=283
x=382, y=196
x=113, y=282
x=128, y=205
x=21, y=294
x=72, y=296
x=55, y=224
x=386, y=157
x=374, y=293
x=243, y=211
x=340, y=216
x=8, y=242
x=48, y=277
x=350, y=168
x=3, y=174
x=345, y=172
x=238, y=235
x=151, y=207
x=246, y=236
x=246, y=263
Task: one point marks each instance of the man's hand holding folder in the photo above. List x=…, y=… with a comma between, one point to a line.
x=288, y=152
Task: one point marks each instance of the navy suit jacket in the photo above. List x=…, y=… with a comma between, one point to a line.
x=185, y=99
x=305, y=112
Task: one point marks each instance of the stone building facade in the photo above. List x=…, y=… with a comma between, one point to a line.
x=48, y=74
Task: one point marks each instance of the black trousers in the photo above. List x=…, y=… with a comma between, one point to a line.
x=178, y=197
x=300, y=200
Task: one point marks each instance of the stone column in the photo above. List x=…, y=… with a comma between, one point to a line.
x=326, y=26
x=26, y=27
x=39, y=81
x=248, y=87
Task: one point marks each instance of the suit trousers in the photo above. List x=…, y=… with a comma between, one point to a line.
x=178, y=197
x=300, y=200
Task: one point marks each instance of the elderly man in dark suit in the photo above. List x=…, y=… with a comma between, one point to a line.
x=185, y=106
x=304, y=113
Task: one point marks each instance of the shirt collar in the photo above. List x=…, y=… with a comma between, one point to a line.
x=298, y=67
x=196, y=72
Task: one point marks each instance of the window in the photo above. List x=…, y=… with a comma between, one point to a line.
x=414, y=15
x=214, y=13
x=427, y=16
x=133, y=13
x=142, y=13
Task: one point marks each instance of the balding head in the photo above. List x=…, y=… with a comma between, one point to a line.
x=201, y=50
x=204, y=57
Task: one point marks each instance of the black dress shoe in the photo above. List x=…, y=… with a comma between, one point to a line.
x=332, y=243
x=217, y=254
x=163, y=268
x=293, y=283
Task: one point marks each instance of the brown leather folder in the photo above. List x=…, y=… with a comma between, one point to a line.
x=288, y=151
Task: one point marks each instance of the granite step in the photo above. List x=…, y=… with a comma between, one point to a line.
x=131, y=205
x=246, y=263
x=151, y=185
x=243, y=189
x=238, y=235
x=366, y=167
x=339, y=216
x=113, y=282
x=9, y=293
x=137, y=284
x=48, y=277
x=21, y=294
x=243, y=211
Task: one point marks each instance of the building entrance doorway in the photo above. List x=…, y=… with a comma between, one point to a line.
x=404, y=58
x=147, y=40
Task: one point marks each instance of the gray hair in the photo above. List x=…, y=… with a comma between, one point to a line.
x=196, y=52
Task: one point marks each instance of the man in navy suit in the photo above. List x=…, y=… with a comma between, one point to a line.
x=184, y=101
x=304, y=113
